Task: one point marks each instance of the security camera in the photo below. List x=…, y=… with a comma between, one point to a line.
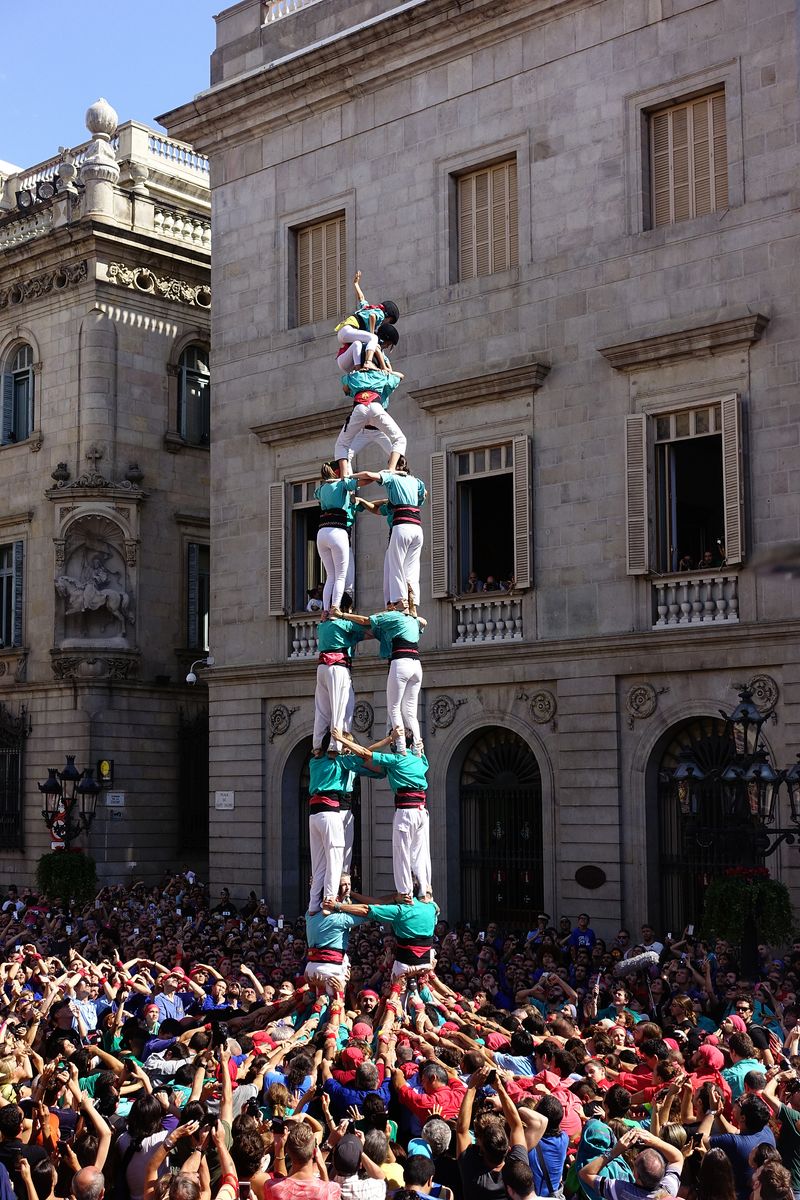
x=191, y=677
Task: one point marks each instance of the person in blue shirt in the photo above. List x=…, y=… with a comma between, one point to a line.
x=581, y=937
x=357, y=334
x=405, y=495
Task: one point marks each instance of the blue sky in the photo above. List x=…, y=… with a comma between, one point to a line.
x=144, y=56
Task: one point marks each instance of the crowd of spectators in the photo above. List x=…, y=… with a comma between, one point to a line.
x=158, y=1044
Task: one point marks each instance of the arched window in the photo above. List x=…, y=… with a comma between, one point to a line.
x=501, y=829
x=687, y=863
x=194, y=396
x=18, y=389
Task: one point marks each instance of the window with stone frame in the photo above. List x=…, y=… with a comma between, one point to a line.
x=480, y=501
x=198, y=595
x=320, y=267
x=11, y=593
x=13, y=731
x=684, y=488
x=16, y=418
x=305, y=566
x=487, y=220
x=194, y=396
x=688, y=159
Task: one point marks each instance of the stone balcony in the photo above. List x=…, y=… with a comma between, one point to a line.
x=491, y=617
x=695, y=598
x=303, y=635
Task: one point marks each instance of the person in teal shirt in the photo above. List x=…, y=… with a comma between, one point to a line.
x=327, y=935
x=405, y=495
x=412, y=925
x=338, y=504
x=398, y=635
x=328, y=782
x=334, y=698
x=370, y=421
x=408, y=778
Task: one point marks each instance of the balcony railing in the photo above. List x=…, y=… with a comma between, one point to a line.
x=24, y=226
x=695, y=599
x=303, y=635
x=274, y=10
x=487, y=620
x=196, y=231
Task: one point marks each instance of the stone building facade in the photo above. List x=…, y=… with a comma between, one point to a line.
x=104, y=467
x=587, y=213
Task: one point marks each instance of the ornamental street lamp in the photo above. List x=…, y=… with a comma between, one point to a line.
x=730, y=802
x=70, y=801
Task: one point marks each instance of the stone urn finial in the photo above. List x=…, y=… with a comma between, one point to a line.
x=99, y=170
x=101, y=120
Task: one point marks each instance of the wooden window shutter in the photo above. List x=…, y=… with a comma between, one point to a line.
x=439, y=526
x=636, y=530
x=688, y=160
x=488, y=235
x=732, y=490
x=18, y=580
x=522, y=511
x=303, y=276
x=483, y=225
x=719, y=148
x=277, y=536
x=8, y=407
x=321, y=270
x=192, y=596
x=466, y=227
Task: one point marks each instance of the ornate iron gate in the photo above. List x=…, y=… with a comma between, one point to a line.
x=501, y=830
x=686, y=867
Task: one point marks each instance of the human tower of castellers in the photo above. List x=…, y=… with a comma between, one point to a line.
x=365, y=340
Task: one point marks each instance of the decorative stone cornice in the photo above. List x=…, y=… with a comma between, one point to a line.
x=93, y=666
x=290, y=429
x=15, y=519
x=55, y=280
x=142, y=279
x=653, y=348
x=503, y=385
x=193, y=520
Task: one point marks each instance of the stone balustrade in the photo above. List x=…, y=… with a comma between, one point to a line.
x=177, y=154
x=303, y=635
x=481, y=619
x=696, y=598
x=275, y=10
x=182, y=226
x=24, y=226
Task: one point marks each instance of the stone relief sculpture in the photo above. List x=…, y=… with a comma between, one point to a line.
x=94, y=587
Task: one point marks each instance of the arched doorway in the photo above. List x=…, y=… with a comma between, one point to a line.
x=501, y=853
x=686, y=865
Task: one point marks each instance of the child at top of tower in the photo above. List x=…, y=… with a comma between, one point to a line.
x=360, y=333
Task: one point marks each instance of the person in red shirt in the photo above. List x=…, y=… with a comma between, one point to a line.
x=438, y=1092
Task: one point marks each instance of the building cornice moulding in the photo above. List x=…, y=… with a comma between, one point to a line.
x=653, y=348
x=333, y=73
x=542, y=661
x=292, y=429
x=15, y=520
x=502, y=385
